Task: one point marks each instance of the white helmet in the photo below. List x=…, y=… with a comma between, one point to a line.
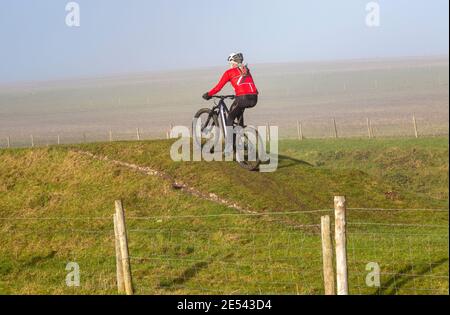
x=236, y=58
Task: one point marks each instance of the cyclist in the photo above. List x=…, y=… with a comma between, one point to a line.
x=244, y=87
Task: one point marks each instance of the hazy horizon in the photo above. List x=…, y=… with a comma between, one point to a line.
x=388, y=92
x=113, y=75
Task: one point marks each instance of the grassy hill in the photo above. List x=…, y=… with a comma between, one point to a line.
x=57, y=204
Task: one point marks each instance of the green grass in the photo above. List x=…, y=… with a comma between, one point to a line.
x=189, y=245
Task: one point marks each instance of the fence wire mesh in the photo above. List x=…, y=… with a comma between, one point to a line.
x=233, y=253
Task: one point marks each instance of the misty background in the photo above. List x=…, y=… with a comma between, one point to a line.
x=145, y=64
x=117, y=36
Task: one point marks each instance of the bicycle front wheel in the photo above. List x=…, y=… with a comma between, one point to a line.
x=205, y=123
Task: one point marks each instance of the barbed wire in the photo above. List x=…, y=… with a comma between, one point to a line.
x=312, y=129
x=414, y=290
x=398, y=234
x=234, y=263
x=404, y=275
x=57, y=218
x=398, y=224
x=400, y=209
x=278, y=261
x=299, y=212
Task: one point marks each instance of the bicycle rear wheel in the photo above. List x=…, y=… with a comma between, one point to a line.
x=247, y=153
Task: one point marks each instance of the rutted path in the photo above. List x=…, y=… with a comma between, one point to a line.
x=175, y=183
x=314, y=228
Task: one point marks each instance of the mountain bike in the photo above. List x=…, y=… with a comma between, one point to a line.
x=245, y=143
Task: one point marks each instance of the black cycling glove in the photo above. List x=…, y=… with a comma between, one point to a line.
x=206, y=96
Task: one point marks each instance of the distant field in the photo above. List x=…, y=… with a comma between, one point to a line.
x=386, y=91
x=56, y=206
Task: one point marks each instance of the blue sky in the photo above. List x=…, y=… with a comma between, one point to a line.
x=125, y=36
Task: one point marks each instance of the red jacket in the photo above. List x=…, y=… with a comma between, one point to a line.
x=242, y=83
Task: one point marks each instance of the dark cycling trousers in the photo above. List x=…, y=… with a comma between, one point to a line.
x=238, y=107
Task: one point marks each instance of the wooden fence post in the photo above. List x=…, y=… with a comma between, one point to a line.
x=121, y=227
x=32, y=141
x=138, y=135
x=415, y=126
x=59, y=140
x=327, y=255
x=168, y=131
x=110, y=136
x=369, y=128
x=119, y=266
x=335, y=128
x=299, y=130
x=8, y=142
x=341, y=245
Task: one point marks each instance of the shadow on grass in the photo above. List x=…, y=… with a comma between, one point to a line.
x=38, y=259
x=187, y=274
x=191, y=272
x=287, y=161
x=399, y=280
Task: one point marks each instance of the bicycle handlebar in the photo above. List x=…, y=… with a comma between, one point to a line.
x=222, y=97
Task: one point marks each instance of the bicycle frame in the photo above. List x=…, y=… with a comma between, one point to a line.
x=223, y=113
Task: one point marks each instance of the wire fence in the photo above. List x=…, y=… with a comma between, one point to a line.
x=390, y=251
x=373, y=99
x=310, y=129
x=409, y=258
